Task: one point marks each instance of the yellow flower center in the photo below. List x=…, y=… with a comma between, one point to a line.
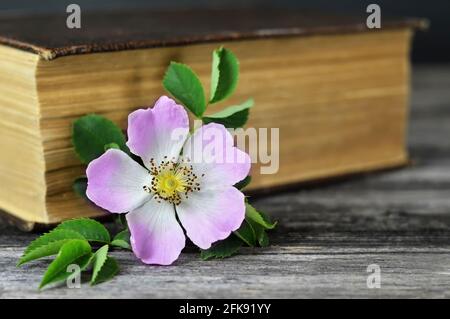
x=171, y=181
x=168, y=183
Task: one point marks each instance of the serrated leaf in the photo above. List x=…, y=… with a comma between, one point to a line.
x=79, y=186
x=121, y=244
x=224, y=74
x=246, y=233
x=122, y=240
x=48, y=244
x=260, y=233
x=90, y=229
x=123, y=235
x=98, y=260
x=223, y=248
x=233, y=109
x=263, y=239
x=258, y=217
x=214, y=72
x=268, y=221
x=75, y=251
x=186, y=87
x=232, y=117
x=83, y=262
x=91, y=133
x=109, y=269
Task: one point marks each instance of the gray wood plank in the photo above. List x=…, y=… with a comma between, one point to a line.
x=327, y=235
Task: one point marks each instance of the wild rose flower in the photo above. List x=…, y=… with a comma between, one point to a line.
x=172, y=183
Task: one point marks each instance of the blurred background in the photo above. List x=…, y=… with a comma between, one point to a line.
x=429, y=47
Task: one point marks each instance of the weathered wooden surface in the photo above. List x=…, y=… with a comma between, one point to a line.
x=327, y=235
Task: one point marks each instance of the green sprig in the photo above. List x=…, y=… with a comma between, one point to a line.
x=72, y=243
x=253, y=233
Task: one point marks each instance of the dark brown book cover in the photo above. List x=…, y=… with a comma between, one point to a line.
x=116, y=30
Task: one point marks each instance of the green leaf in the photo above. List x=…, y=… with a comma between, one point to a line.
x=123, y=235
x=260, y=233
x=121, y=244
x=91, y=133
x=83, y=262
x=258, y=217
x=247, y=234
x=111, y=145
x=48, y=244
x=185, y=86
x=259, y=223
x=76, y=251
x=263, y=239
x=214, y=72
x=224, y=74
x=222, y=249
x=122, y=239
x=268, y=221
x=90, y=229
x=79, y=186
x=244, y=183
x=109, y=269
x=232, y=117
x=99, y=259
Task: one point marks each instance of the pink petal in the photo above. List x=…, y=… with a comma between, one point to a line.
x=156, y=236
x=115, y=182
x=158, y=132
x=209, y=216
x=212, y=153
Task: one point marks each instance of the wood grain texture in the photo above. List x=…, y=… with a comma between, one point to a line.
x=326, y=238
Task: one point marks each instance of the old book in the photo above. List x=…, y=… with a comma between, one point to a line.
x=337, y=91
